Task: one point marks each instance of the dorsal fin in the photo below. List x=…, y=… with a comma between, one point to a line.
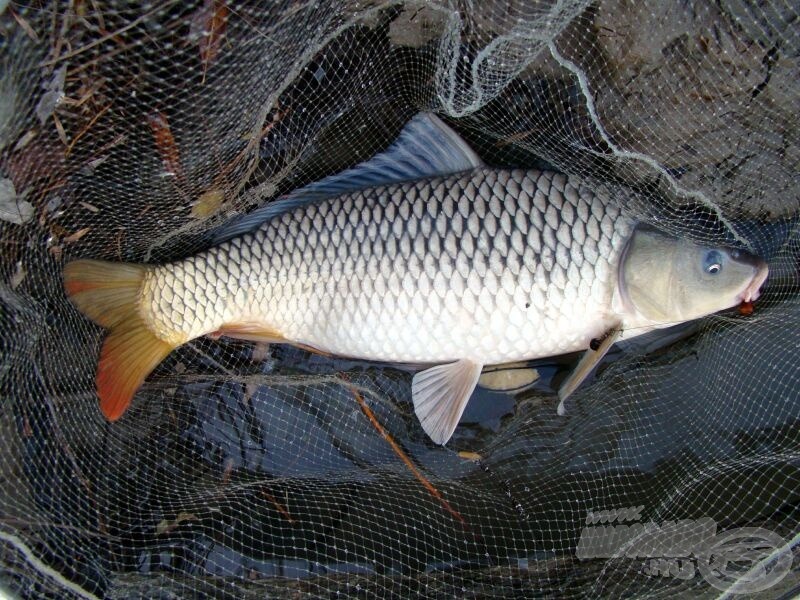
x=426, y=147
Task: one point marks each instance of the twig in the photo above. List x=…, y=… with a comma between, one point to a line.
x=205, y=355
x=242, y=156
x=26, y=27
x=215, y=24
x=16, y=522
x=62, y=440
x=85, y=129
x=101, y=23
x=403, y=456
x=106, y=37
x=513, y=139
x=281, y=509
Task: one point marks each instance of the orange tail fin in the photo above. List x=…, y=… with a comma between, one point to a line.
x=108, y=293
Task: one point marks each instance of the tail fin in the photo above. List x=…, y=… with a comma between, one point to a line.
x=108, y=293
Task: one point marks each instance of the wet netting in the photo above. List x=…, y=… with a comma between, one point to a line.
x=130, y=131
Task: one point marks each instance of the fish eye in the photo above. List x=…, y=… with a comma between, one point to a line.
x=712, y=262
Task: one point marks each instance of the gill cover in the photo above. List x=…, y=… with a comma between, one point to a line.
x=669, y=280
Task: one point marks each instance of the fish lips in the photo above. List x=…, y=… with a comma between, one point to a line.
x=753, y=290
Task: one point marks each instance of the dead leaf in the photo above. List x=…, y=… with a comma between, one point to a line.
x=52, y=96
x=250, y=390
x=165, y=144
x=208, y=203
x=56, y=251
x=13, y=208
x=18, y=277
x=166, y=525
x=261, y=352
x=89, y=207
x=79, y=6
x=473, y=456
x=25, y=139
x=71, y=239
x=216, y=21
x=416, y=26
x=27, y=430
x=38, y=163
x=52, y=206
x=227, y=471
x=62, y=135
x=57, y=231
x=92, y=164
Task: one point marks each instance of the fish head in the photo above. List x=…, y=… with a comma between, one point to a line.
x=665, y=279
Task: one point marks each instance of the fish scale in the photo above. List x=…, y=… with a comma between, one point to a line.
x=406, y=273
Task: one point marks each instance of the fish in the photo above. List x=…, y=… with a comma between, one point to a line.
x=422, y=255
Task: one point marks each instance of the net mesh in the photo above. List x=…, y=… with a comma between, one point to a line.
x=128, y=131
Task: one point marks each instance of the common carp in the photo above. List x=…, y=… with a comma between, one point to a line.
x=421, y=255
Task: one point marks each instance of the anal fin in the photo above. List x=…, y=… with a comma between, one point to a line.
x=586, y=365
x=441, y=394
x=250, y=332
x=258, y=332
x=312, y=349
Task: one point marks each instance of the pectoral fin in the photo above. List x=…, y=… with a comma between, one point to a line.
x=441, y=394
x=509, y=377
x=586, y=365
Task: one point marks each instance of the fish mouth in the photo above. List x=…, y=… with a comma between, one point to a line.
x=753, y=290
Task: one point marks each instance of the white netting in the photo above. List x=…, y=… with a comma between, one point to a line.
x=128, y=131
